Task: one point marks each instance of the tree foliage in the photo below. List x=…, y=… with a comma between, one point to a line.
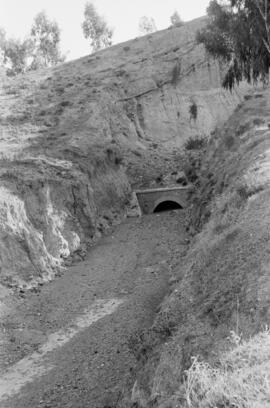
x=2, y=43
x=238, y=33
x=147, y=25
x=176, y=19
x=45, y=38
x=39, y=49
x=15, y=54
x=96, y=29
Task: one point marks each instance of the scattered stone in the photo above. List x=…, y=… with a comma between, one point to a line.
x=173, y=280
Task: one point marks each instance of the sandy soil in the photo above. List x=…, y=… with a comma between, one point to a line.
x=67, y=344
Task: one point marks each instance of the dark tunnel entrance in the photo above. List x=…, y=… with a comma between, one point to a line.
x=167, y=206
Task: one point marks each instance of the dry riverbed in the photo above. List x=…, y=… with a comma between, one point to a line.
x=67, y=344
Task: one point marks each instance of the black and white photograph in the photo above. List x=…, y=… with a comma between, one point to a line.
x=134, y=188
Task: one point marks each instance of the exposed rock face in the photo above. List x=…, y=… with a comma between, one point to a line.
x=50, y=211
x=66, y=131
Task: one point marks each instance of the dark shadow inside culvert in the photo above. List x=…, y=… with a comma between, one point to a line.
x=167, y=206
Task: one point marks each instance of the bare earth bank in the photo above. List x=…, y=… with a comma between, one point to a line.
x=68, y=345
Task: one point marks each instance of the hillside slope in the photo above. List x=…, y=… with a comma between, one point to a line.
x=76, y=137
x=224, y=281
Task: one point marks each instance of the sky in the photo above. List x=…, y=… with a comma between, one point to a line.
x=16, y=17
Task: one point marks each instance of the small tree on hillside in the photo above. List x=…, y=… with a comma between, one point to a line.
x=147, y=25
x=176, y=20
x=15, y=54
x=45, y=37
x=40, y=49
x=2, y=44
x=238, y=33
x=96, y=29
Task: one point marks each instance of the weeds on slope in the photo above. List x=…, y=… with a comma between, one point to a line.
x=195, y=143
x=240, y=380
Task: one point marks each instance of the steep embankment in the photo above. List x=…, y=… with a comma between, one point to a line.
x=224, y=281
x=71, y=135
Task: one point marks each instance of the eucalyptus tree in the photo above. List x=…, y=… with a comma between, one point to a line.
x=238, y=33
x=96, y=29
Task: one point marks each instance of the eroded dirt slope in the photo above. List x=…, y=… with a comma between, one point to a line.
x=74, y=138
x=224, y=280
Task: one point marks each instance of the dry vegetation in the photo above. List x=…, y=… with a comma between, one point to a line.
x=241, y=378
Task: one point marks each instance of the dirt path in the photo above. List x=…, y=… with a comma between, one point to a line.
x=68, y=343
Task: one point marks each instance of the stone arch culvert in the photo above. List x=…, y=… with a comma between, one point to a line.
x=163, y=199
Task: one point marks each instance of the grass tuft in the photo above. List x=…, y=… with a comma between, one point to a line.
x=240, y=380
x=195, y=143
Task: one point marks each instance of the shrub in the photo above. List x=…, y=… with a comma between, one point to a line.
x=229, y=141
x=193, y=110
x=120, y=73
x=137, y=153
x=191, y=166
x=114, y=155
x=65, y=103
x=176, y=72
x=245, y=191
x=195, y=143
x=60, y=90
x=192, y=157
x=11, y=91
x=258, y=121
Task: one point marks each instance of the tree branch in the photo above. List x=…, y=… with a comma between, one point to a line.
x=264, y=15
x=257, y=4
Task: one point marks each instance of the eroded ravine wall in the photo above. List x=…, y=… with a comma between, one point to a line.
x=49, y=213
x=222, y=284
x=69, y=134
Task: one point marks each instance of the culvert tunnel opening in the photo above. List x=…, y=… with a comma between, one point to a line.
x=167, y=206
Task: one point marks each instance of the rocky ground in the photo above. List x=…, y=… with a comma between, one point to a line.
x=71, y=343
